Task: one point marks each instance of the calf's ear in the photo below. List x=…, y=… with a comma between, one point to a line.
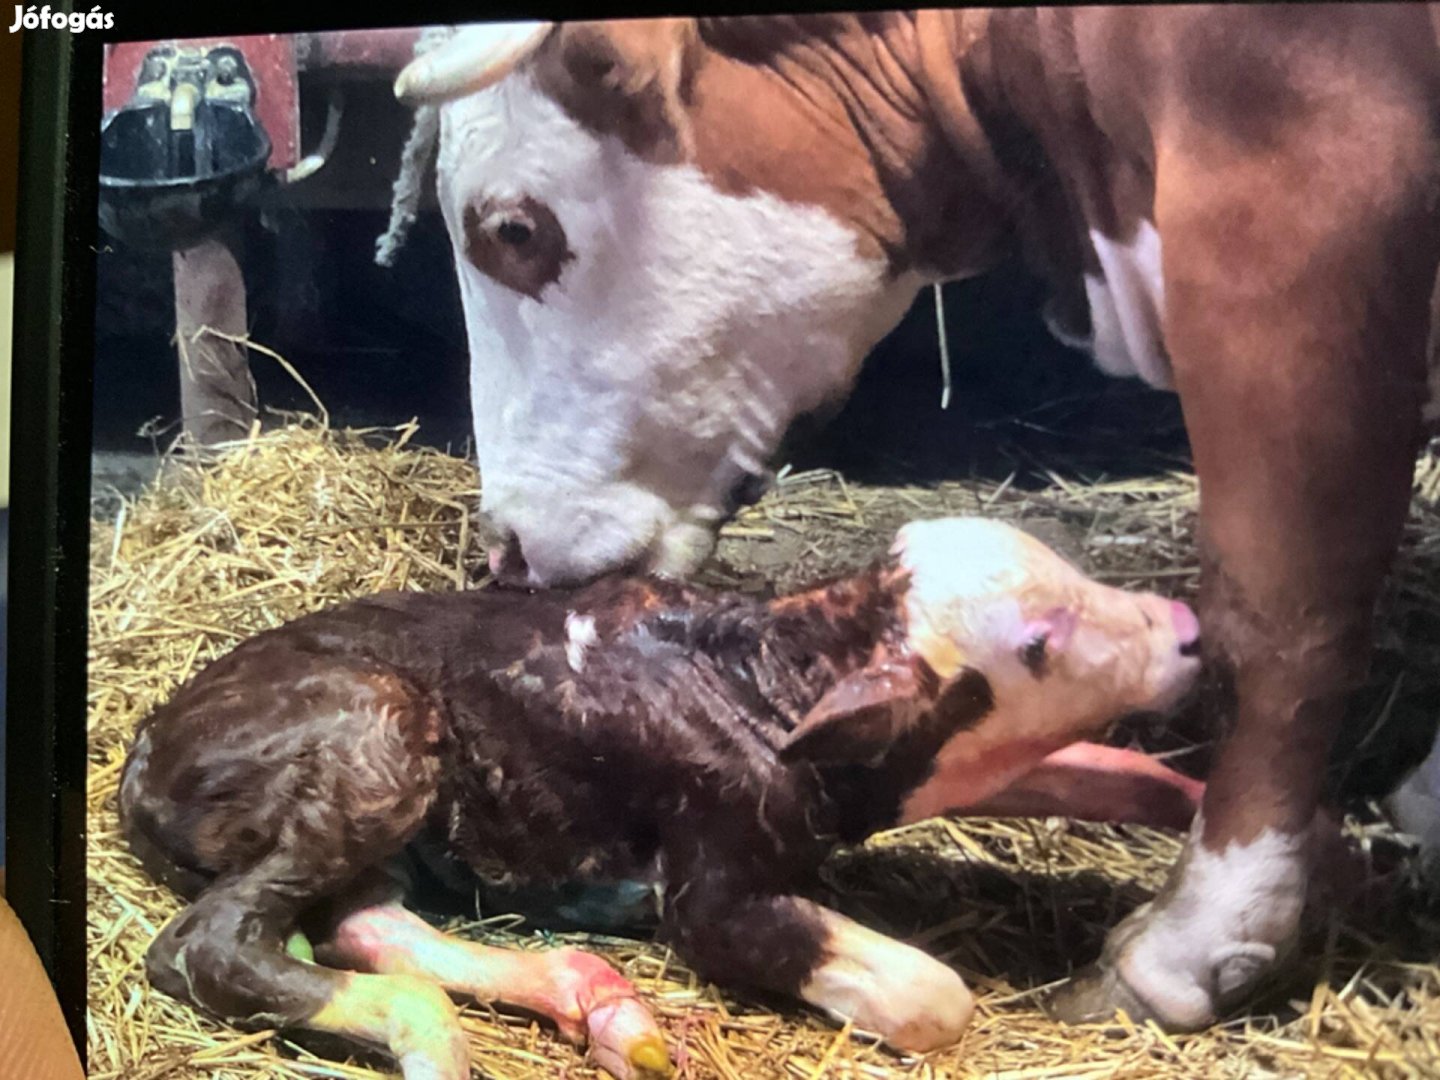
x=630, y=79
x=861, y=716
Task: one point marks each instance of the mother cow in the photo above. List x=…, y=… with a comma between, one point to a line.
x=675, y=236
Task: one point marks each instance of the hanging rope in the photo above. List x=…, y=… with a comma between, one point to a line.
x=415, y=162
x=944, y=347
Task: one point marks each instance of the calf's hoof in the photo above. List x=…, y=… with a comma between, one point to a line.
x=594, y=1003
x=626, y=1043
x=1415, y=808
x=942, y=1022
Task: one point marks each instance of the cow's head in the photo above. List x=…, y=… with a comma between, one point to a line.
x=663, y=261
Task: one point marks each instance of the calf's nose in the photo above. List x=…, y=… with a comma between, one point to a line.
x=1187, y=627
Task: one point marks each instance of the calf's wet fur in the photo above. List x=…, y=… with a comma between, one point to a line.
x=714, y=745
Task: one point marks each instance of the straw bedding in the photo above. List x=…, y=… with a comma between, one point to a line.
x=304, y=516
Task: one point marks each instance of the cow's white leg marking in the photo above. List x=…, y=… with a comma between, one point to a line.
x=1127, y=302
x=1230, y=916
x=1415, y=805
x=910, y=999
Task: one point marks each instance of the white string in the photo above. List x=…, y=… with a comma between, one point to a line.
x=944, y=347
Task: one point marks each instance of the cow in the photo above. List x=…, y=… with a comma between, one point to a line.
x=675, y=236
x=712, y=746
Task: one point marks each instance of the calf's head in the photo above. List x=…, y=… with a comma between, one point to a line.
x=663, y=260
x=1015, y=642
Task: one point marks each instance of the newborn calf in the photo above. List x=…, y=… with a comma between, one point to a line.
x=715, y=745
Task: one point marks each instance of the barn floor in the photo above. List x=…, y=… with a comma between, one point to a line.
x=303, y=516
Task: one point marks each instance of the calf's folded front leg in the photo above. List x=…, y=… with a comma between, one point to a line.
x=793, y=946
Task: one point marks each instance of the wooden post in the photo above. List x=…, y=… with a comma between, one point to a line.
x=217, y=393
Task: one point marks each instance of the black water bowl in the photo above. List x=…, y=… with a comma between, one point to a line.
x=161, y=190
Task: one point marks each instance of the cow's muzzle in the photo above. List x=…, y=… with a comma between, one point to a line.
x=507, y=562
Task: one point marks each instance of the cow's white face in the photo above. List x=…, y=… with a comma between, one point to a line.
x=639, y=339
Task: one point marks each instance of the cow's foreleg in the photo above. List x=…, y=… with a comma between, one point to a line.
x=793, y=946
x=586, y=998
x=1298, y=343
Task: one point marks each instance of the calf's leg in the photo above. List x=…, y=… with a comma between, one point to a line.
x=581, y=993
x=328, y=771
x=793, y=946
x=1297, y=330
x=1084, y=780
x=225, y=954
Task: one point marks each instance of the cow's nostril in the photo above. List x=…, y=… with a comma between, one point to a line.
x=507, y=562
x=1190, y=648
x=748, y=490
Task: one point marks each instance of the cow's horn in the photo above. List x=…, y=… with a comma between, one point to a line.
x=476, y=57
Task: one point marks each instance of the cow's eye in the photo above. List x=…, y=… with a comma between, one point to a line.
x=517, y=242
x=514, y=233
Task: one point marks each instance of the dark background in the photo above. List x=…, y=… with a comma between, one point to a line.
x=9, y=157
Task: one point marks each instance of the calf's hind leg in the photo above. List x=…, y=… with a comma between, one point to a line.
x=327, y=775
x=581, y=993
x=225, y=954
x=1300, y=369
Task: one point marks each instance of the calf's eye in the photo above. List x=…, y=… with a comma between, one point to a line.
x=1032, y=655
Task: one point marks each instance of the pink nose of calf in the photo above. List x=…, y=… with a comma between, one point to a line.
x=1187, y=626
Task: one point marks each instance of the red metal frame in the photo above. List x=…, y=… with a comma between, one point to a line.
x=380, y=51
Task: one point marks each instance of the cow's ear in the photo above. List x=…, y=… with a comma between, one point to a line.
x=860, y=717
x=630, y=79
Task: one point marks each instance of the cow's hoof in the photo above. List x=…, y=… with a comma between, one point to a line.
x=1151, y=982
x=1097, y=992
x=1094, y=995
